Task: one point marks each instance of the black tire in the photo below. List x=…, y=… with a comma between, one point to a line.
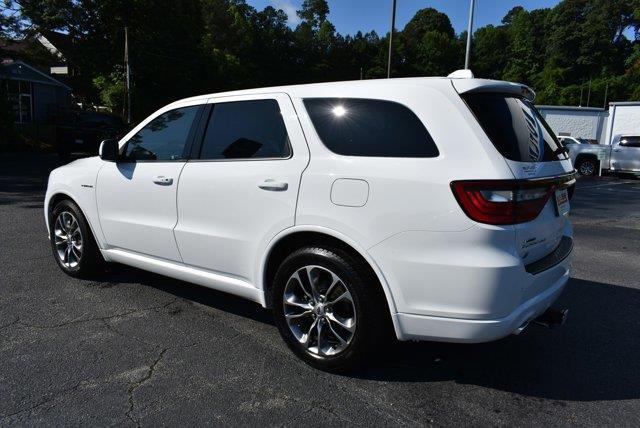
x=372, y=326
x=587, y=167
x=90, y=263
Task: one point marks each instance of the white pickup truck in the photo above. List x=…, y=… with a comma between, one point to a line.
x=622, y=155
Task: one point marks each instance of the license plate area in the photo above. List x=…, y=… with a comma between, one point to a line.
x=562, y=202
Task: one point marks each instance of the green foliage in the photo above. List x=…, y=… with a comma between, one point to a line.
x=314, y=12
x=111, y=89
x=491, y=51
x=180, y=48
x=428, y=45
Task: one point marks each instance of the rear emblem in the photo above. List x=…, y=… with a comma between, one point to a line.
x=527, y=243
x=531, y=169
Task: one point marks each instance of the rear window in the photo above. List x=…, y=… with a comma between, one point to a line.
x=515, y=127
x=367, y=127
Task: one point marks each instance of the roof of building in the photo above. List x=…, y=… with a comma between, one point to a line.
x=625, y=103
x=572, y=108
x=36, y=75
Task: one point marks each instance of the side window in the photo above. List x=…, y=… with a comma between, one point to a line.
x=246, y=130
x=164, y=138
x=630, y=141
x=368, y=127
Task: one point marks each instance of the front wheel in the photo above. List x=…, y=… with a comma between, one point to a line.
x=587, y=167
x=328, y=308
x=74, y=248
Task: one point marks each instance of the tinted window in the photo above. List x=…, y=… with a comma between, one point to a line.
x=515, y=127
x=246, y=129
x=630, y=141
x=365, y=127
x=164, y=138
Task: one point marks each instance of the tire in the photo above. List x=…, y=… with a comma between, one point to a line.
x=73, y=245
x=359, y=317
x=587, y=167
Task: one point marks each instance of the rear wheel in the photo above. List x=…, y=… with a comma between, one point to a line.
x=587, y=167
x=328, y=309
x=73, y=245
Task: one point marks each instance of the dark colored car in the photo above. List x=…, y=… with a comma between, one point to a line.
x=82, y=132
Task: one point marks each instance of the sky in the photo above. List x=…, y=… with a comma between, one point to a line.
x=349, y=16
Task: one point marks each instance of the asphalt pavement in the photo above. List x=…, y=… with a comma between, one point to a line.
x=134, y=348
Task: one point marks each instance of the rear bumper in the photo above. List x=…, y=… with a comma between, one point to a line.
x=440, y=329
x=469, y=286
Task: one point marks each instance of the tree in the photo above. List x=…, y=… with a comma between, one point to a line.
x=314, y=12
x=187, y=47
x=428, y=45
x=490, y=53
x=527, y=36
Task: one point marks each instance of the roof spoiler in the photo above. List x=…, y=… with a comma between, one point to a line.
x=468, y=85
x=464, y=73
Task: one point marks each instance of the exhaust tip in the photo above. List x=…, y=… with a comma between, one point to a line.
x=552, y=318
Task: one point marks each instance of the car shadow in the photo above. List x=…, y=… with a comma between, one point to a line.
x=121, y=274
x=594, y=356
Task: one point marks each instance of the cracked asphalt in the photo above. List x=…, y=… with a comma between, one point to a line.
x=136, y=349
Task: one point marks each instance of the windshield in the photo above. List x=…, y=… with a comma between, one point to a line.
x=515, y=127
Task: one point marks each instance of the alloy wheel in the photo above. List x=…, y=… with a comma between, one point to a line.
x=68, y=239
x=586, y=168
x=319, y=310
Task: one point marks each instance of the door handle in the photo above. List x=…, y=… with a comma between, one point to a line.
x=163, y=181
x=617, y=150
x=273, y=185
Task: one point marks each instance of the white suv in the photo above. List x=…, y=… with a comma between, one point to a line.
x=432, y=208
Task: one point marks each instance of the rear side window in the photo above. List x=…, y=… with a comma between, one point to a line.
x=246, y=130
x=515, y=127
x=367, y=127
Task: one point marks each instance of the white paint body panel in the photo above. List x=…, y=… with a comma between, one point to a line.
x=445, y=277
x=135, y=213
x=225, y=219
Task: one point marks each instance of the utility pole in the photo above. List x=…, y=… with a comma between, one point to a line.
x=606, y=92
x=467, y=57
x=393, y=25
x=589, y=93
x=128, y=73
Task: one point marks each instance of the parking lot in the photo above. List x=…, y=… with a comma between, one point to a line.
x=133, y=348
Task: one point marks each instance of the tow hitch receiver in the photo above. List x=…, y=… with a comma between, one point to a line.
x=552, y=318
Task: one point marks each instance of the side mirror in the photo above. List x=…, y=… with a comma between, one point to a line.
x=109, y=150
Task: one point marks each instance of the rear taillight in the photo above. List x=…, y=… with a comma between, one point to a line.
x=504, y=201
